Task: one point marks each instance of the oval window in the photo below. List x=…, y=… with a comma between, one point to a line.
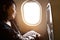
x=31, y=13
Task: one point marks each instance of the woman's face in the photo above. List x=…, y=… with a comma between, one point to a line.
x=11, y=12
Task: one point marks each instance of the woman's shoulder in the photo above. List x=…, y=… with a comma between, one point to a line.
x=4, y=25
x=6, y=28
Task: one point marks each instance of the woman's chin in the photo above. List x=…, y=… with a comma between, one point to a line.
x=10, y=19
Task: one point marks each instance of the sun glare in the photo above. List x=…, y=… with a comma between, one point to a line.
x=31, y=13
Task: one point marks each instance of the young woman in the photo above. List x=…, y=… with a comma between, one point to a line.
x=7, y=14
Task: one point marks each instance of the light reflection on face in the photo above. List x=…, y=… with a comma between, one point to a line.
x=11, y=12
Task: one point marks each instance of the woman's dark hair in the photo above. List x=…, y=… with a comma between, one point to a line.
x=3, y=14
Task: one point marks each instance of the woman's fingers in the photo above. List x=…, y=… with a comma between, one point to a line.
x=31, y=35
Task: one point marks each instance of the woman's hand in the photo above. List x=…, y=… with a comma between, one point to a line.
x=31, y=35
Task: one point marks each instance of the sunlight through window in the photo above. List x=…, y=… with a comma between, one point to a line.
x=31, y=13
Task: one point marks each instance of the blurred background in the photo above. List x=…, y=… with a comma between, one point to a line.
x=41, y=28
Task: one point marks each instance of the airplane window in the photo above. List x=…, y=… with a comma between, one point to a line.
x=31, y=13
